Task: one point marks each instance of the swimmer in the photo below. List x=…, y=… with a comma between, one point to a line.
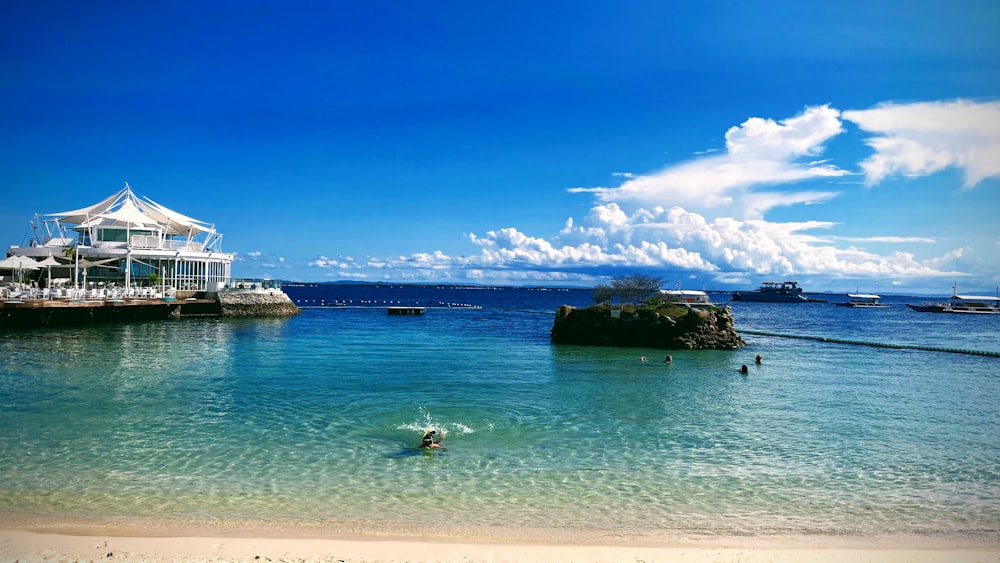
x=744, y=370
x=758, y=359
x=428, y=442
x=668, y=360
x=642, y=358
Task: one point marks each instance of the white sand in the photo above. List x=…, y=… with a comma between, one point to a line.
x=25, y=546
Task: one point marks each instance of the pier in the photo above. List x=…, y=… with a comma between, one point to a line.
x=237, y=298
x=405, y=311
x=39, y=312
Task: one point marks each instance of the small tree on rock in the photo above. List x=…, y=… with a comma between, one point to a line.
x=635, y=289
x=603, y=294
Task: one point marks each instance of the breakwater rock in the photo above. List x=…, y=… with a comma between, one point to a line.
x=256, y=304
x=708, y=328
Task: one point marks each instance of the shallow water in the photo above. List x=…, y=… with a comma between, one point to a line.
x=315, y=419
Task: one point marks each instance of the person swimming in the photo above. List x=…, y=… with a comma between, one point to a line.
x=744, y=370
x=428, y=441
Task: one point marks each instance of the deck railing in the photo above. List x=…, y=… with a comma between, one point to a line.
x=250, y=284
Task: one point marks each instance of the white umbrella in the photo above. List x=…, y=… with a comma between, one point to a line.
x=18, y=264
x=49, y=262
x=84, y=263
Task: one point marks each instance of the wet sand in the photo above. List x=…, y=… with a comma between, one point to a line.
x=108, y=545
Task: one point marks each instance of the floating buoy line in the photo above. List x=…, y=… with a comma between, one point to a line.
x=872, y=343
x=376, y=303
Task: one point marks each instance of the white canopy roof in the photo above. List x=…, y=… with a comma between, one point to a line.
x=18, y=263
x=50, y=261
x=126, y=210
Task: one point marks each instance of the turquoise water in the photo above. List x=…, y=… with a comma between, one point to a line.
x=314, y=420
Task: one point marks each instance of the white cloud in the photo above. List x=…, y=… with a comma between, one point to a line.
x=919, y=139
x=759, y=152
x=331, y=263
x=706, y=215
x=893, y=240
x=679, y=240
x=347, y=275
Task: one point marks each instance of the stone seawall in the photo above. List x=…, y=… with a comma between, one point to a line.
x=690, y=329
x=256, y=304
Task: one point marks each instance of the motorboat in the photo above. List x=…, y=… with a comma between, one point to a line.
x=776, y=292
x=965, y=304
x=686, y=297
x=862, y=300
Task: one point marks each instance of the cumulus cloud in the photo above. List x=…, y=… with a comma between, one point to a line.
x=706, y=216
x=918, y=139
x=679, y=240
x=893, y=240
x=759, y=152
x=333, y=263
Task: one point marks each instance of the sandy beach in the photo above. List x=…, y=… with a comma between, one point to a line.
x=25, y=546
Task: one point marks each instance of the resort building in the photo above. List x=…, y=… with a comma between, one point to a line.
x=128, y=243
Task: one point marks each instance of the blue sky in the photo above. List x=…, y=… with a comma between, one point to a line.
x=848, y=145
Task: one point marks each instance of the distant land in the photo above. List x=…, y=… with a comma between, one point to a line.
x=575, y=288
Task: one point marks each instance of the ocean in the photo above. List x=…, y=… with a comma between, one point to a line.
x=312, y=422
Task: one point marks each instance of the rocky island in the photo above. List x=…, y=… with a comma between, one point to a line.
x=676, y=328
x=647, y=317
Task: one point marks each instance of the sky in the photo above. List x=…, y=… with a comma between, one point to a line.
x=851, y=146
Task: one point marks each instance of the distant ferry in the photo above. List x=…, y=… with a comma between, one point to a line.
x=966, y=304
x=775, y=292
x=862, y=300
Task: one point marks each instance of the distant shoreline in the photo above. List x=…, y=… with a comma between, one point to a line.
x=444, y=285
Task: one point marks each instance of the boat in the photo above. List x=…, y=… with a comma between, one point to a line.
x=686, y=298
x=963, y=304
x=776, y=292
x=862, y=300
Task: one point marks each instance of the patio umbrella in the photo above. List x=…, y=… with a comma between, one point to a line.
x=84, y=263
x=48, y=263
x=18, y=264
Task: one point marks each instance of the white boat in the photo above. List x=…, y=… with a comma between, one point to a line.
x=686, y=297
x=963, y=304
x=862, y=300
x=967, y=304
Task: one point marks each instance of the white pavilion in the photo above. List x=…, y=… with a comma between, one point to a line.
x=130, y=243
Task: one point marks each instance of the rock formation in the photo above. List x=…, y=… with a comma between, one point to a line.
x=666, y=328
x=256, y=304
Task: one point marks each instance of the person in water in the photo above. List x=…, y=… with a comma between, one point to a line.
x=744, y=370
x=758, y=359
x=428, y=441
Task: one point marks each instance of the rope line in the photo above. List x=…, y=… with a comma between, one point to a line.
x=873, y=343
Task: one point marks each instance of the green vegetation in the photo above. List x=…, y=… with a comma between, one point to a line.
x=635, y=289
